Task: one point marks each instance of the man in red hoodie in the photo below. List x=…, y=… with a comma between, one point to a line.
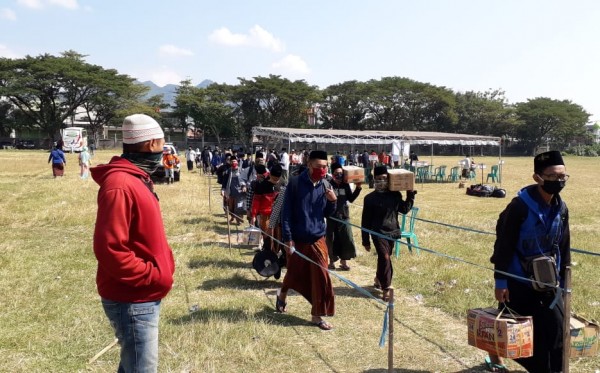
x=135, y=262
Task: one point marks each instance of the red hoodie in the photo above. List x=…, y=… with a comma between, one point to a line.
x=135, y=262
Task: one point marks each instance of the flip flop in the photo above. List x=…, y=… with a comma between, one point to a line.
x=280, y=306
x=323, y=325
x=331, y=266
x=493, y=367
x=345, y=268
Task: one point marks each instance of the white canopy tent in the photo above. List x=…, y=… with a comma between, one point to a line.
x=401, y=139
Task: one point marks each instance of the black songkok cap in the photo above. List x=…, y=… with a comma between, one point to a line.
x=335, y=166
x=380, y=170
x=318, y=154
x=259, y=155
x=276, y=170
x=260, y=169
x=547, y=159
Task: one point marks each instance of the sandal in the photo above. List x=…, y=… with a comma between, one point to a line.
x=494, y=367
x=323, y=325
x=280, y=306
x=345, y=267
x=377, y=284
x=331, y=266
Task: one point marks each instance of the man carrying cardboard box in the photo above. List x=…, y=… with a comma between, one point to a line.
x=533, y=241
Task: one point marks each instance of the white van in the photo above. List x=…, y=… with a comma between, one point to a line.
x=74, y=139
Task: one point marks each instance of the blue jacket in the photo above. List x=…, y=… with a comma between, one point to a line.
x=529, y=227
x=304, y=210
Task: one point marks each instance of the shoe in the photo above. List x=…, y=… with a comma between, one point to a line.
x=280, y=306
x=331, y=266
x=344, y=267
x=323, y=325
x=493, y=367
x=377, y=284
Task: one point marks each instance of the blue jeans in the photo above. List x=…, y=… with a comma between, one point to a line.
x=136, y=327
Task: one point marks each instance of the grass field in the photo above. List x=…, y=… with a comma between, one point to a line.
x=51, y=319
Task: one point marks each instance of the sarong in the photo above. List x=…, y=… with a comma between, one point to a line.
x=310, y=280
x=58, y=169
x=340, y=241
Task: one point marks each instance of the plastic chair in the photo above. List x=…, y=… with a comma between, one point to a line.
x=408, y=232
x=493, y=175
x=421, y=174
x=440, y=173
x=454, y=174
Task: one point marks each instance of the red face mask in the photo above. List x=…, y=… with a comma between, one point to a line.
x=318, y=173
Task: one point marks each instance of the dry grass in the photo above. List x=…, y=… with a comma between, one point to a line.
x=52, y=321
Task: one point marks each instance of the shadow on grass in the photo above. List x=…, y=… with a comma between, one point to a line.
x=239, y=282
x=267, y=314
x=381, y=370
x=218, y=263
x=345, y=291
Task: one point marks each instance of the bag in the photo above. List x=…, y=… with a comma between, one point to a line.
x=543, y=271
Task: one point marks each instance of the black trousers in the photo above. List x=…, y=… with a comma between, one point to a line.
x=384, y=263
x=547, y=326
x=190, y=165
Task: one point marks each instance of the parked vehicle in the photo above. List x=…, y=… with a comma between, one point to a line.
x=74, y=139
x=25, y=144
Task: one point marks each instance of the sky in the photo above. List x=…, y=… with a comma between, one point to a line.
x=526, y=48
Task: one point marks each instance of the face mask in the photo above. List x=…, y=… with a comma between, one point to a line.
x=318, y=173
x=338, y=177
x=381, y=185
x=148, y=162
x=553, y=187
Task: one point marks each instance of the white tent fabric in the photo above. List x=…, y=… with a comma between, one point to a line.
x=322, y=136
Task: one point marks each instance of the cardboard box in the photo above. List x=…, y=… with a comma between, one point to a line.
x=506, y=336
x=353, y=174
x=400, y=179
x=584, y=336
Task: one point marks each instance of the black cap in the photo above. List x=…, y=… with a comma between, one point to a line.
x=335, y=166
x=318, y=154
x=260, y=169
x=276, y=170
x=380, y=170
x=547, y=159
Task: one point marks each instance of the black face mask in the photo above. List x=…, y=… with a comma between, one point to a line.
x=553, y=187
x=148, y=162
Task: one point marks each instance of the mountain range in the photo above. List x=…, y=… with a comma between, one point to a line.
x=169, y=90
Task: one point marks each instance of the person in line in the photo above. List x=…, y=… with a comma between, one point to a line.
x=84, y=163
x=284, y=161
x=340, y=242
x=413, y=159
x=308, y=200
x=263, y=197
x=59, y=162
x=135, y=262
x=231, y=190
x=190, y=157
x=535, y=225
x=380, y=215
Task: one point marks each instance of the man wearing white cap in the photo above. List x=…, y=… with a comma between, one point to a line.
x=135, y=262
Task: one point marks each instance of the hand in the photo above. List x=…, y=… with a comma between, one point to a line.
x=244, y=189
x=501, y=295
x=367, y=248
x=288, y=247
x=222, y=193
x=252, y=220
x=330, y=195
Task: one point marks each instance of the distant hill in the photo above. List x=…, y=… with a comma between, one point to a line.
x=168, y=91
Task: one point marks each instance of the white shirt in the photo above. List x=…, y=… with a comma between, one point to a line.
x=190, y=155
x=285, y=161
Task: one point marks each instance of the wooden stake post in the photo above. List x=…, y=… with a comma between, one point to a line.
x=391, y=332
x=567, y=321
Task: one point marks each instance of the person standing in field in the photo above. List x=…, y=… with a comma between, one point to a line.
x=169, y=161
x=380, y=215
x=84, y=163
x=340, y=242
x=135, y=262
x=533, y=236
x=57, y=157
x=309, y=199
x=190, y=158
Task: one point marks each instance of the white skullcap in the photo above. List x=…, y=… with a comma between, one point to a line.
x=139, y=128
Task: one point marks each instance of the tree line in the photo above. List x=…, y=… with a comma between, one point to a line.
x=43, y=91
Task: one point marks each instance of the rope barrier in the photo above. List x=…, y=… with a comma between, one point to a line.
x=575, y=250
x=348, y=282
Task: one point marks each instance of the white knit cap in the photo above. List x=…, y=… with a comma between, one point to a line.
x=139, y=128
